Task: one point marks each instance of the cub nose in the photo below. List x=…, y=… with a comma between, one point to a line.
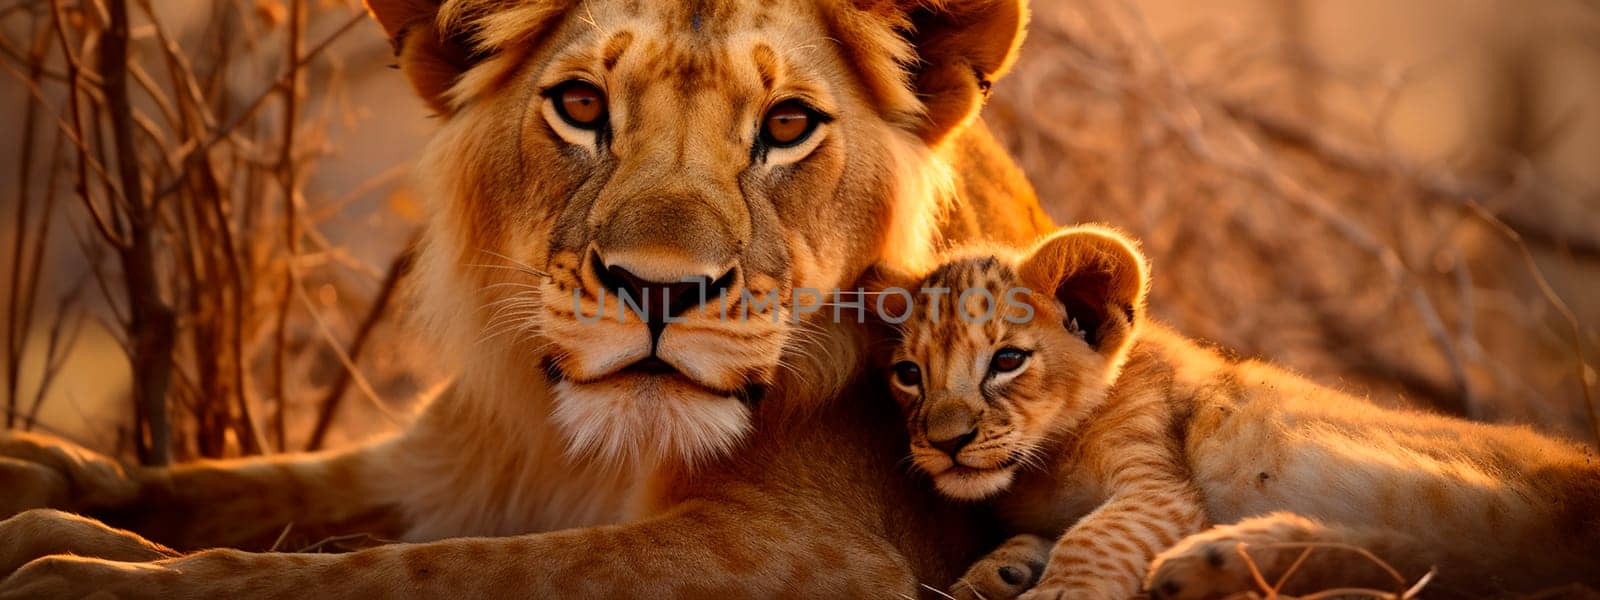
x=954, y=445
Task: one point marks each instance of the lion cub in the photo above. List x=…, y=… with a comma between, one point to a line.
x=1122, y=440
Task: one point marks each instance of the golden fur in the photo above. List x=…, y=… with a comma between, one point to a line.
x=758, y=467
x=1121, y=438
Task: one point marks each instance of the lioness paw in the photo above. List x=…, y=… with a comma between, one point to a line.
x=43, y=532
x=29, y=485
x=66, y=576
x=1006, y=572
x=47, y=472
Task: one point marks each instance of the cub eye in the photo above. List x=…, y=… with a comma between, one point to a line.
x=580, y=104
x=789, y=123
x=1007, y=360
x=907, y=373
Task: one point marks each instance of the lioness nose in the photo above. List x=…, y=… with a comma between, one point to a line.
x=662, y=297
x=954, y=445
x=658, y=300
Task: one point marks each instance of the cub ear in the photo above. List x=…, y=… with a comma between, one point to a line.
x=432, y=58
x=1101, y=278
x=888, y=293
x=962, y=47
x=887, y=297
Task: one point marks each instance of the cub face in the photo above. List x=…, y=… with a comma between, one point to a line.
x=982, y=396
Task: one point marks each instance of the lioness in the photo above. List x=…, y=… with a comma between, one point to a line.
x=1040, y=384
x=745, y=148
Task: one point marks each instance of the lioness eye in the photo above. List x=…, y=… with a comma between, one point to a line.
x=1007, y=360
x=907, y=373
x=788, y=124
x=580, y=104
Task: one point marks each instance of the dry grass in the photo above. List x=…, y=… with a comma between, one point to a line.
x=1404, y=590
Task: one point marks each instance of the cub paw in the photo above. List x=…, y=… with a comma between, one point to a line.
x=1200, y=569
x=1006, y=572
x=1210, y=564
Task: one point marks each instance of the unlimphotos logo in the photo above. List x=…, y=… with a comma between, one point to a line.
x=892, y=305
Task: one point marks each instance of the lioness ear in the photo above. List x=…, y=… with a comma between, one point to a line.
x=432, y=59
x=962, y=47
x=929, y=63
x=1099, y=275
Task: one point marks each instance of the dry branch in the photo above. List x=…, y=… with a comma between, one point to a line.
x=24, y=287
x=172, y=177
x=152, y=326
x=287, y=173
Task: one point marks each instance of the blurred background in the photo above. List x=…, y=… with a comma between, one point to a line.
x=1398, y=198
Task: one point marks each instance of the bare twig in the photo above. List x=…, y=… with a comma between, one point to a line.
x=260, y=100
x=340, y=539
x=1274, y=590
x=349, y=364
x=153, y=325
x=1436, y=185
x=291, y=224
x=328, y=407
x=19, y=318
x=62, y=339
x=109, y=230
x=1575, y=329
x=282, y=535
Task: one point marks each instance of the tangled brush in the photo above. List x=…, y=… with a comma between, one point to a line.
x=1305, y=242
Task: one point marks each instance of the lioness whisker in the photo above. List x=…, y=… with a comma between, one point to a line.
x=511, y=284
x=517, y=268
x=524, y=266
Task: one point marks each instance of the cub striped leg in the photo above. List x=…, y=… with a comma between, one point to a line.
x=1209, y=565
x=1108, y=552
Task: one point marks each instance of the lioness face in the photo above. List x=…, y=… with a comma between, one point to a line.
x=661, y=154
x=639, y=197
